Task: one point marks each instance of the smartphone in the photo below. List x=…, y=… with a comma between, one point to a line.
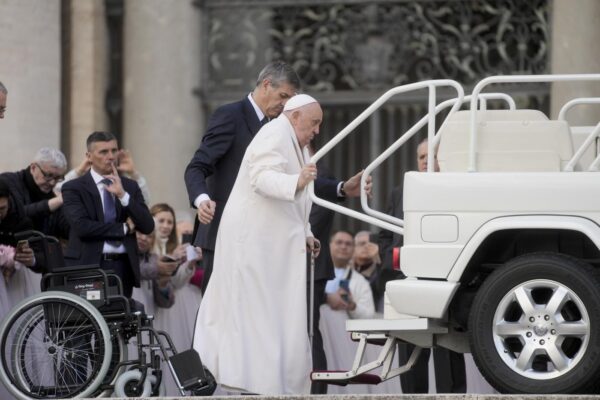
x=345, y=284
x=186, y=238
x=21, y=245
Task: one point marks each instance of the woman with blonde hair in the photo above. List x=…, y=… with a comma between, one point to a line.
x=182, y=314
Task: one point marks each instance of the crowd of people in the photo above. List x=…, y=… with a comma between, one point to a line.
x=234, y=281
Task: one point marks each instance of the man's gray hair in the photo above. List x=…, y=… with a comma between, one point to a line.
x=51, y=157
x=279, y=72
x=3, y=88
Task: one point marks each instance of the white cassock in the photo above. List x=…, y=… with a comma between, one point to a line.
x=251, y=329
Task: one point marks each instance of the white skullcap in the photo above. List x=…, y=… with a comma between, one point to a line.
x=298, y=101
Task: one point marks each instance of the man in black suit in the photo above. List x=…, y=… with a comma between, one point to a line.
x=33, y=187
x=450, y=375
x=104, y=210
x=210, y=175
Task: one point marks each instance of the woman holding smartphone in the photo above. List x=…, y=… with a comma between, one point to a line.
x=187, y=296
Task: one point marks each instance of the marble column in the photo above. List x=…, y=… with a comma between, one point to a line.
x=576, y=49
x=163, y=123
x=85, y=86
x=30, y=68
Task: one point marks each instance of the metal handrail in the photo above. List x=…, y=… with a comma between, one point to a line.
x=570, y=167
x=562, y=115
x=431, y=85
x=431, y=144
x=484, y=97
x=512, y=79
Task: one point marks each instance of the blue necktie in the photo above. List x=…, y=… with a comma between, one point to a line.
x=110, y=210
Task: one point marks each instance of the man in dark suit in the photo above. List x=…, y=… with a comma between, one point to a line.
x=210, y=175
x=33, y=187
x=450, y=375
x=104, y=210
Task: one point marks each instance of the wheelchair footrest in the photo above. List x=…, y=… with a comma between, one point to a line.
x=343, y=378
x=192, y=375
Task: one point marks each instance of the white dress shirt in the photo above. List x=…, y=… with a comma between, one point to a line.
x=109, y=248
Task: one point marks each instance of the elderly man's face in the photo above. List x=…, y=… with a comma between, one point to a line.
x=2, y=104
x=276, y=97
x=422, y=152
x=46, y=175
x=306, y=121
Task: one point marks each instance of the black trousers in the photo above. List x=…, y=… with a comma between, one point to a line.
x=208, y=257
x=318, y=352
x=122, y=269
x=450, y=375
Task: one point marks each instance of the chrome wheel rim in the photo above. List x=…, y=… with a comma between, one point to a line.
x=541, y=329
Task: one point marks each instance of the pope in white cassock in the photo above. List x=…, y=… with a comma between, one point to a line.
x=251, y=330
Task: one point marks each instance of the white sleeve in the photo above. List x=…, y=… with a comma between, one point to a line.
x=182, y=275
x=362, y=296
x=267, y=163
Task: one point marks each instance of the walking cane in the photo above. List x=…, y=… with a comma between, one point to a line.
x=311, y=331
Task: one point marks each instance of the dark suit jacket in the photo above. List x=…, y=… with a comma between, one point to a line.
x=35, y=204
x=83, y=209
x=387, y=239
x=321, y=222
x=216, y=163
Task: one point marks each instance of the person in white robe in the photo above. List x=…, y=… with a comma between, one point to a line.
x=251, y=329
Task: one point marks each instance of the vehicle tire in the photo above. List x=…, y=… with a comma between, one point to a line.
x=126, y=382
x=534, y=326
x=53, y=345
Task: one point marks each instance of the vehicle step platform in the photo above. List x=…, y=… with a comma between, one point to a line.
x=343, y=378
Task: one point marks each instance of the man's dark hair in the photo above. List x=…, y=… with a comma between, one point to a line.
x=99, y=136
x=3, y=88
x=341, y=231
x=279, y=72
x=4, y=189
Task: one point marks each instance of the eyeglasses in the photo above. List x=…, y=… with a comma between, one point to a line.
x=48, y=177
x=343, y=242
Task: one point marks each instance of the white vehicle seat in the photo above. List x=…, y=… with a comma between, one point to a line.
x=507, y=141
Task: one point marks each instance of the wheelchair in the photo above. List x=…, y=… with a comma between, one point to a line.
x=73, y=338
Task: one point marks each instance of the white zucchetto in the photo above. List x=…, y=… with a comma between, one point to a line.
x=298, y=101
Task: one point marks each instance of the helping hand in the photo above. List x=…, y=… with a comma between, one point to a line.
x=206, y=211
x=352, y=185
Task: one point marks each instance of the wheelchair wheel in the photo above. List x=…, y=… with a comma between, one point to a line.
x=54, y=345
x=126, y=384
x=120, y=353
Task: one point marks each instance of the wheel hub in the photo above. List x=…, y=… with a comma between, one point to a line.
x=540, y=330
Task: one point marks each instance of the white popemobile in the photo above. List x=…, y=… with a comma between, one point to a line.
x=501, y=247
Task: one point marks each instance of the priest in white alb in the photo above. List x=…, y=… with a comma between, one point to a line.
x=251, y=329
